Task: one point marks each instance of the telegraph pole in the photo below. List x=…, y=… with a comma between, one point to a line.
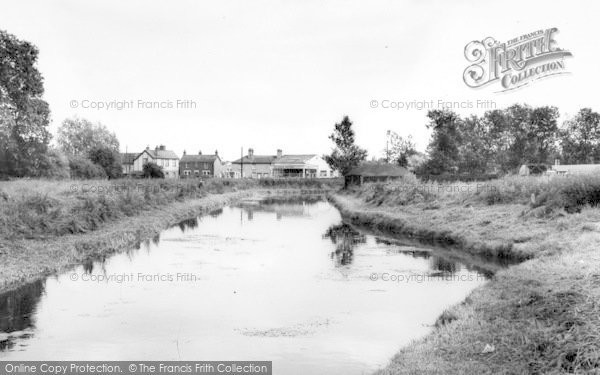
x=387, y=147
x=242, y=162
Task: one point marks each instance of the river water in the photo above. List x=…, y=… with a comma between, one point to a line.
x=281, y=281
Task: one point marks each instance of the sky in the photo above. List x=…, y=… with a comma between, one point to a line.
x=275, y=75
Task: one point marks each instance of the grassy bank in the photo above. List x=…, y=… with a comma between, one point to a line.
x=541, y=316
x=47, y=226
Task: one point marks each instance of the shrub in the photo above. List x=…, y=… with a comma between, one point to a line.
x=83, y=168
x=152, y=170
x=55, y=165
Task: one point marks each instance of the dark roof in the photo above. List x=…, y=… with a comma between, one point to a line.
x=256, y=159
x=128, y=157
x=200, y=158
x=378, y=170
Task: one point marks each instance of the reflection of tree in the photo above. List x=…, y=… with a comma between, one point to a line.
x=16, y=309
x=188, y=224
x=215, y=213
x=345, y=238
x=443, y=265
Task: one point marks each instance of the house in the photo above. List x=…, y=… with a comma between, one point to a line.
x=283, y=166
x=127, y=159
x=302, y=166
x=200, y=165
x=574, y=169
x=166, y=159
x=229, y=171
x=369, y=172
x=254, y=166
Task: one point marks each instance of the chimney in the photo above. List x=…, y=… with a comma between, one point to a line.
x=162, y=147
x=183, y=152
x=199, y=152
x=217, y=152
x=250, y=152
x=556, y=162
x=279, y=153
x=147, y=147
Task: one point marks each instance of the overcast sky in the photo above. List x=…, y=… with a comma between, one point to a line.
x=279, y=74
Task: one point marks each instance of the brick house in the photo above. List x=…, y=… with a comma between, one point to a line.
x=199, y=165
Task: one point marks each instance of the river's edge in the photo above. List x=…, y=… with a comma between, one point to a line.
x=535, y=317
x=30, y=260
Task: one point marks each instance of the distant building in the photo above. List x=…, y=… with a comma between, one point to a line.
x=532, y=169
x=375, y=173
x=229, y=171
x=127, y=159
x=199, y=165
x=254, y=166
x=167, y=159
x=575, y=169
x=283, y=166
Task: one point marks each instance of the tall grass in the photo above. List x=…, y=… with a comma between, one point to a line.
x=569, y=193
x=43, y=208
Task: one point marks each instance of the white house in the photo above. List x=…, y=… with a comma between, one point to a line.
x=167, y=159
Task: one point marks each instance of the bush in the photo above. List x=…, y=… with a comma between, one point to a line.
x=55, y=165
x=108, y=159
x=84, y=168
x=152, y=170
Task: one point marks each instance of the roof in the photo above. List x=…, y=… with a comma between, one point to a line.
x=198, y=158
x=256, y=159
x=293, y=159
x=160, y=154
x=128, y=157
x=577, y=168
x=378, y=170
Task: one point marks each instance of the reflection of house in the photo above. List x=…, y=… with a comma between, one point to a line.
x=200, y=165
x=127, y=159
x=280, y=165
x=375, y=173
x=166, y=159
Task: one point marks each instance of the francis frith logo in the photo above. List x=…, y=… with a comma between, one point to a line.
x=514, y=63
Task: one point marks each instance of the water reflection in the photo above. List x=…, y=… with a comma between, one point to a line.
x=286, y=206
x=16, y=313
x=345, y=238
x=295, y=290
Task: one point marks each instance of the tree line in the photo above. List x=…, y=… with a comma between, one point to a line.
x=502, y=140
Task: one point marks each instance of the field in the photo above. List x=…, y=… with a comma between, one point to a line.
x=541, y=316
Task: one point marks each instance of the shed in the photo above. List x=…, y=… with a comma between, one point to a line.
x=374, y=173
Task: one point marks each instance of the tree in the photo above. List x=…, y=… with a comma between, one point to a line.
x=580, y=138
x=24, y=116
x=346, y=154
x=443, y=148
x=400, y=149
x=82, y=167
x=152, y=170
x=107, y=159
x=79, y=136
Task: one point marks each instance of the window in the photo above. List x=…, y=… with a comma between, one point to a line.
x=206, y=172
x=187, y=172
x=323, y=174
x=205, y=165
x=196, y=172
x=145, y=161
